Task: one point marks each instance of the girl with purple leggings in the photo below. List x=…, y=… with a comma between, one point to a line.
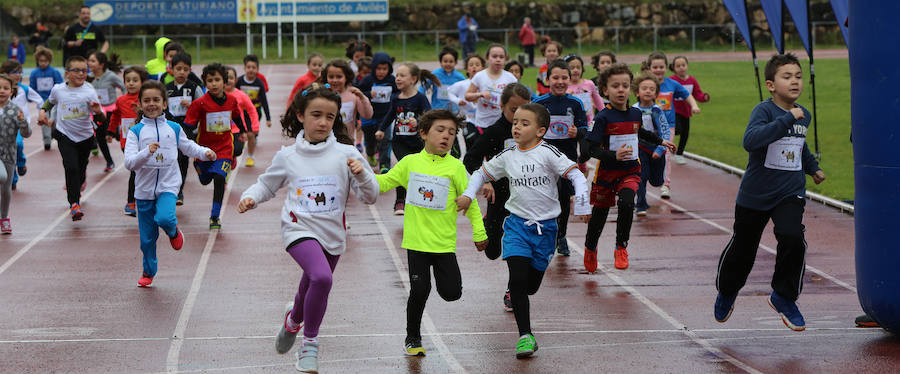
x=320, y=170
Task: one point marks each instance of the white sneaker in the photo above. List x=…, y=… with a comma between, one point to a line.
x=665, y=192
x=679, y=159
x=308, y=358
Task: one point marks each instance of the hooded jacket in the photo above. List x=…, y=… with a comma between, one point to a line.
x=157, y=66
x=380, y=104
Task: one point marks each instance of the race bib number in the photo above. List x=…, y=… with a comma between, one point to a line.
x=74, y=111
x=45, y=84
x=348, y=109
x=443, y=92
x=586, y=101
x=785, y=154
x=559, y=127
x=381, y=94
x=315, y=195
x=509, y=143
x=165, y=156
x=218, y=122
x=103, y=95
x=427, y=191
x=647, y=122
x=630, y=141
x=125, y=126
x=176, y=107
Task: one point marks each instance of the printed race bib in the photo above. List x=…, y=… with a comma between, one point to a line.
x=509, y=143
x=785, y=154
x=559, y=127
x=403, y=127
x=218, y=122
x=381, y=94
x=103, y=95
x=315, y=195
x=165, y=156
x=125, y=125
x=689, y=88
x=175, y=106
x=586, y=101
x=45, y=84
x=251, y=91
x=493, y=102
x=630, y=141
x=74, y=110
x=348, y=109
x=443, y=92
x=427, y=191
x=647, y=122
x=664, y=100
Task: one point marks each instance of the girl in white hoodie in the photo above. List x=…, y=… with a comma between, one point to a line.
x=320, y=170
x=151, y=151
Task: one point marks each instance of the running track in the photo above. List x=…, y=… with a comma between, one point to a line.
x=70, y=302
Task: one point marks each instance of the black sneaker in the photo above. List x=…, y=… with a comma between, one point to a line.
x=180, y=200
x=562, y=247
x=866, y=321
x=214, y=223
x=414, y=347
x=22, y=170
x=507, y=302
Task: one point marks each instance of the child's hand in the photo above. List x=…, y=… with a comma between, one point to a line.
x=695, y=110
x=463, y=102
x=243, y=137
x=624, y=153
x=462, y=203
x=379, y=135
x=819, y=177
x=671, y=146
x=486, y=95
x=655, y=156
x=584, y=218
x=246, y=204
x=42, y=118
x=21, y=115
x=481, y=246
x=356, y=166
x=109, y=138
x=797, y=112
x=269, y=123
x=185, y=103
x=488, y=192
x=412, y=122
x=573, y=132
x=211, y=155
x=356, y=92
x=153, y=147
x=96, y=108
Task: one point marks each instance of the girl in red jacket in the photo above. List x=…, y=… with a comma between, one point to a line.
x=123, y=117
x=679, y=65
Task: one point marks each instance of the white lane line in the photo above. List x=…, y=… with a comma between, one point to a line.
x=813, y=269
x=56, y=222
x=667, y=317
x=181, y=326
x=426, y=319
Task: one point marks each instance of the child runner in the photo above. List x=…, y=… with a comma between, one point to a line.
x=322, y=162
x=568, y=123
x=683, y=113
x=583, y=89
x=356, y=50
x=379, y=86
x=669, y=90
x=181, y=92
x=447, y=74
x=23, y=96
x=151, y=152
x=364, y=70
x=74, y=129
x=105, y=81
x=487, y=85
x=652, y=157
x=354, y=103
x=551, y=50
x=494, y=140
x=13, y=123
x=429, y=227
x=314, y=69
x=122, y=117
x=256, y=90
x=457, y=93
x=613, y=141
x=402, y=119
x=42, y=80
x=213, y=114
x=517, y=69
x=773, y=187
x=248, y=111
x=533, y=167
x=157, y=66
x=600, y=62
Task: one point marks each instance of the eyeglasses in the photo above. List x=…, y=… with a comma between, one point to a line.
x=77, y=71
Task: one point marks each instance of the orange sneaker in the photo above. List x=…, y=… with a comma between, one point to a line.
x=145, y=280
x=590, y=260
x=621, y=256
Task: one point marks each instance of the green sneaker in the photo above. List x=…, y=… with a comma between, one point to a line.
x=526, y=346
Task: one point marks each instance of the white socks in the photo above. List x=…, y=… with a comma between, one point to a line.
x=310, y=340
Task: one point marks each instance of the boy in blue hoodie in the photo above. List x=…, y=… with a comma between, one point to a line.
x=379, y=86
x=42, y=80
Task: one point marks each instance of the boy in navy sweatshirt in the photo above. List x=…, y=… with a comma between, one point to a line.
x=181, y=92
x=379, y=86
x=773, y=187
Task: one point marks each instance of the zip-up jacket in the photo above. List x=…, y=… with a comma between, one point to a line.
x=158, y=172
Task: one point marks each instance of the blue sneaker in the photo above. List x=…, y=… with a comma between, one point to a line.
x=788, y=311
x=562, y=247
x=724, y=306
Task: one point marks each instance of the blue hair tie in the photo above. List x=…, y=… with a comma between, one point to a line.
x=307, y=90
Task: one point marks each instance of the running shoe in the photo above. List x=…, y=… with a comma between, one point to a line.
x=46, y=147
x=145, y=280
x=724, y=306
x=308, y=358
x=507, y=302
x=679, y=159
x=640, y=212
x=399, y=208
x=130, y=210
x=214, y=223
x=414, y=347
x=866, y=321
x=22, y=170
x=177, y=241
x=665, y=192
x=95, y=152
x=180, y=200
x=286, y=337
x=109, y=167
x=562, y=247
x=249, y=162
x=788, y=311
x=5, y=226
x=526, y=346
x=621, y=257
x=590, y=260
x=76, y=212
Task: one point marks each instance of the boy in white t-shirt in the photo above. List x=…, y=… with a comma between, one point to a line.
x=533, y=168
x=75, y=102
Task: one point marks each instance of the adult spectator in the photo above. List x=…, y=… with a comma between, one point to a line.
x=528, y=40
x=41, y=36
x=16, y=50
x=467, y=36
x=83, y=36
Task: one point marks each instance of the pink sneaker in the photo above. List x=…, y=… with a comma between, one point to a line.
x=178, y=240
x=5, y=226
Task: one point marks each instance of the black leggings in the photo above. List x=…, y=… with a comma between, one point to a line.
x=75, y=161
x=493, y=219
x=100, y=137
x=369, y=139
x=623, y=221
x=524, y=280
x=447, y=278
x=184, y=160
x=683, y=129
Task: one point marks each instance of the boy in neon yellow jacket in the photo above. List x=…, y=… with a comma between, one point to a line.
x=434, y=180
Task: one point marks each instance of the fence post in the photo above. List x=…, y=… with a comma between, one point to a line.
x=437, y=46
x=197, y=44
x=144, y=46
x=655, y=38
x=279, y=28
x=305, y=46
x=381, y=40
x=403, y=37
x=212, y=35
x=693, y=38
x=578, y=33
x=264, y=41
x=295, y=39
x=506, y=39
x=249, y=42
x=732, y=37
x=617, y=39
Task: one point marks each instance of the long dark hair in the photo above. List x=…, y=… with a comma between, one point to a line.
x=291, y=125
x=111, y=62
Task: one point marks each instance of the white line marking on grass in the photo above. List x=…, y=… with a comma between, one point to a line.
x=426, y=319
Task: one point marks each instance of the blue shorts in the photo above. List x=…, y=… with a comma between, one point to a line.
x=206, y=169
x=524, y=240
